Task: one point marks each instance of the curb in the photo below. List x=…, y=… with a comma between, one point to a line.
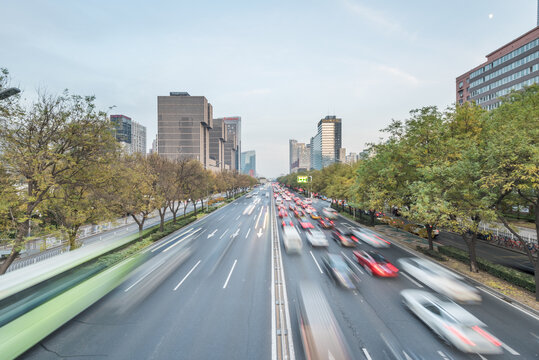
x=496, y=293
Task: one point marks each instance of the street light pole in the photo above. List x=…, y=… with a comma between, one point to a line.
x=311, y=187
x=4, y=94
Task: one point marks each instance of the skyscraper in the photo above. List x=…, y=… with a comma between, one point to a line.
x=326, y=144
x=130, y=134
x=293, y=155
x=248, y=163
x=217, y=144
x=183, y=127
x=233, y=142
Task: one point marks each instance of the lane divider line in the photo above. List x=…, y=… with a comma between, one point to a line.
x=220, y=237
x=185, y=277
x=230, y=273
x=352, y=263
x=168, y=241
x=412, y=280
x=248, y=231
x=178, y=242
x=367, y=355
x=316, y=262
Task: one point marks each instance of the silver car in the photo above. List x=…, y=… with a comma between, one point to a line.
x=317, y=238
x=451, y=323
x=370, y=238
x=440, y=279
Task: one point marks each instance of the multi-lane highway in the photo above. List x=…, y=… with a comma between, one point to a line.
x=209, y=292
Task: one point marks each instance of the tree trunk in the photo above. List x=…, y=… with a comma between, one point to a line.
x=429, y=236
x=72, y=238
x=195, y=207
x=22, y=231
x=372, y=217
x=202, y=204
x=470, y=240
x=162, y=213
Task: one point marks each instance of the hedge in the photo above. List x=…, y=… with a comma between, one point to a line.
x=515, y=277
x=432, y=253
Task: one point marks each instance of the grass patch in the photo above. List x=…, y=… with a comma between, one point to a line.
x=431, y=253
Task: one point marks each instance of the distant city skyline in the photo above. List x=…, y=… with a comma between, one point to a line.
x=272, y=63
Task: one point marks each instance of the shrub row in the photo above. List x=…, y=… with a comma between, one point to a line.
x=432, y=253
x=515, y=277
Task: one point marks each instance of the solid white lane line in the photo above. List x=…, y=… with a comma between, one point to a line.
x=505, y=302
x=248, y=231
x=258, y=218
x=443, y=355
x=410, y=278
x=353, y=263
x=220, y=237
x=238, y=217
x=265, y=220
x=176, y=243
x=230, y=273
x=185, y=277
x=143, y=276
x=481, y=356
x=174, y=238
x=367, y=355
x=316, y=262
x=221, y=218
x=510, y=349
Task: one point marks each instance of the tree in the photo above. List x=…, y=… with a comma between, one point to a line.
x=511, y=160
x=164, y=186
x=45, y=146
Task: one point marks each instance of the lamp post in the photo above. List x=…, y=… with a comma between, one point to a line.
x=311, y=187
x=5, y=93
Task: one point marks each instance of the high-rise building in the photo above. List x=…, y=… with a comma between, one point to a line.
x=326, y=144
x=183, y=124
x=130, y=134
x=153, y=150
x=342, y=155
x=217, y=143
x=510, y=67
x=293, y=155
x=351, y=158
x=248, y=163
x=232, y=146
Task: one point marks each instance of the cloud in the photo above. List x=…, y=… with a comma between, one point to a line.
x=378, y=18
x=403, y=75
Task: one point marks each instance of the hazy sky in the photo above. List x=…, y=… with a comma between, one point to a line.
x=280, y=65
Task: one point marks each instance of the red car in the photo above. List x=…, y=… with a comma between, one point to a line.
x=298, y=213
x=375, y=264
x=292, y=207
x=287, y=223
x=305, y=224
x=326, y=223
x=283, y=213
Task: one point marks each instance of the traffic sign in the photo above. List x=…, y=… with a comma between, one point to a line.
x=302, y=179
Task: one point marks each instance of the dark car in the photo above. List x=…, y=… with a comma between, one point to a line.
x=340, y=271
x=342, y=235
x=326, y=223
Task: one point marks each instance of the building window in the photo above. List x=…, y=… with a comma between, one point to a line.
x=460, y=93
x=461, y=84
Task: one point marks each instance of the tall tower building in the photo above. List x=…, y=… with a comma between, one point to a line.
x=326, y=144
x=293, y=155
x=248, y=163
x=130, y=134
x=217, y=144
x=232, y=145
x=183, y=124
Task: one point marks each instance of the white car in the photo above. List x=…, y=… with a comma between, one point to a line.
x=317, y=238
x=291, y=239
x=451, y=323
x=369, y=237
x=440, y=279
x=329, y=213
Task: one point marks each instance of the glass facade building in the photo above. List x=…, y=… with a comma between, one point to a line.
x=248, y=163
x=508, y=68
x=130, y=134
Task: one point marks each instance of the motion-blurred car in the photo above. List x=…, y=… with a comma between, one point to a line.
x=305, y=223
x=339, y=235
x=326, y=223
x=292, y=207
x=314, y=215
x=317, y=238
x=421, y=230
x=298, y=213
x=451, y=323
x=440, y=279
x=285, y=223
x=291, y=239
x=283, y=213
x=320, y=333
x=370, y=238
x=375, y=263
x=340, y=271
x=329, y=213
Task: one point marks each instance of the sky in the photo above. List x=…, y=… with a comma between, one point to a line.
x=280, y=65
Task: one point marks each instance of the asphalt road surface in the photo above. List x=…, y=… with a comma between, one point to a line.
x=205, y=293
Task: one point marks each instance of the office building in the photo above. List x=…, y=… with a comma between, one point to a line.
x=299, y=156
x=232, y=146
x=293, y=161
x=130, y=134
x=217, y=144
x=326, y=144
x=248, y=163
x=342, y=155
x=183, y=126
x=511, y=67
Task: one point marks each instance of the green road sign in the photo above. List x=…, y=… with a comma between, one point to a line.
x=302, y=179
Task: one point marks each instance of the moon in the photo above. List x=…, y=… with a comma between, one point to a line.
x=490, y=16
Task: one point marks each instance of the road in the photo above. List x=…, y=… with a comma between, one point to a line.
x=215, y=302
